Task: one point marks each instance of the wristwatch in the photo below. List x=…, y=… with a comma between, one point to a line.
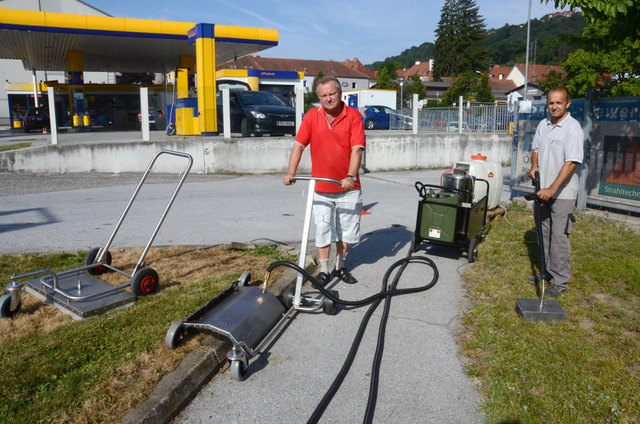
x=352, y=177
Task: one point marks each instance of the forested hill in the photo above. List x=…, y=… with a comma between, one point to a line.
x=552, y=39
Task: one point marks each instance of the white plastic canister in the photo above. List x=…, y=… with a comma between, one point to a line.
x=479, y=167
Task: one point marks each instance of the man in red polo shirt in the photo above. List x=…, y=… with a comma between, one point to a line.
x=335, y=133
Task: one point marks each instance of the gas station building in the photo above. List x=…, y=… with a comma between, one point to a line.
x=67, y=47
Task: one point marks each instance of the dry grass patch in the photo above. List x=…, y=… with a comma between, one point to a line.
x=96, y=370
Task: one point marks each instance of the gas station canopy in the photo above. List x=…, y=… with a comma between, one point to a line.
x=108, y=44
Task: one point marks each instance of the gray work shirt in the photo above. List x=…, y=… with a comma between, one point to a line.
x=557, y=144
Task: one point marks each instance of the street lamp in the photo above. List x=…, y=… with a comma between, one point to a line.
x=401, y=104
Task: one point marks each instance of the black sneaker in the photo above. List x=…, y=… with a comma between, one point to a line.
x=323, y=278
x=555, y=291
x=345, y=276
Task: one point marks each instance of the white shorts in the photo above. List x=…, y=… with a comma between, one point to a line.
x=337, y=217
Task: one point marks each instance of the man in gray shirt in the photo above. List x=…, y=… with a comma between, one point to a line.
x=556, y=152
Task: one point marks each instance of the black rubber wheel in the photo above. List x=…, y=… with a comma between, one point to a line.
x=238, y=370
x=415, y=243
x=5, y=307
x=370, y=124
x=287, y=295
x=145, y=281
x=174, y=335
x=472, y=252
x=328, y=305
x=91, y=257
x=244, y=127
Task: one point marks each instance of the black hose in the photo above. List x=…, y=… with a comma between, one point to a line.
x=386, y=292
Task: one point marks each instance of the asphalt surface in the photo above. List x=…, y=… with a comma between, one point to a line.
x=422, y=377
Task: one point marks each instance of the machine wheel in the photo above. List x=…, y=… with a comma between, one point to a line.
x=174, y=335
x=244, y=127
x=415, y=243
x=145, y=281
x=472, y=253
x=91, y=257
x=287, y=295
x=245, y=278
x=5, y=307
x=370, y=124
x=238, y=370
x=328, y=305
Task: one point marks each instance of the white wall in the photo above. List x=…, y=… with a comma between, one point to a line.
x=392, y=151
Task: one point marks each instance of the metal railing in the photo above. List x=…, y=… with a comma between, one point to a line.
x=476, y=117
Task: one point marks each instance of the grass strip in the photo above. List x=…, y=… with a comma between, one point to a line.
x=583, y=370
x=15, y=146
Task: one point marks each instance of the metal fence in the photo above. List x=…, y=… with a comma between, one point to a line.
x=476, y=117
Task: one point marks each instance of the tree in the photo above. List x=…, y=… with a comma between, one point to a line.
x=416, y=86
x=311, y=97
x=483, y=89
x=460, y=34
x=464, y=86
x=387, y=74
x=610, y=59
x=553, y=79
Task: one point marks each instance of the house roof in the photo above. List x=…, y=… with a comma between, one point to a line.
x=358, y=66
x=537, y=71
x=309, y=67
x=419, y=68
x=497, y=70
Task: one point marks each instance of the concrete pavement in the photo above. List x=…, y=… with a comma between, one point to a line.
x=422, y=378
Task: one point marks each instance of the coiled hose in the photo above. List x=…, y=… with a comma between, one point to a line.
x=387, y=292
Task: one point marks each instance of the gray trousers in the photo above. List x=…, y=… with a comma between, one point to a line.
x=555, y=218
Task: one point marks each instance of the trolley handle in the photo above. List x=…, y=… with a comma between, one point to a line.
x=536, y=184
x=422, y=189
x=312, y=178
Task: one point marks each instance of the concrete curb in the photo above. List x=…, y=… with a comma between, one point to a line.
x=177, y=389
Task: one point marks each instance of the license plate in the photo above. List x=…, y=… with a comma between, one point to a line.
x=285, y=123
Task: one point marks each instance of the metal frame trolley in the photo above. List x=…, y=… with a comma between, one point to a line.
x=248, y=316
x=79, y=292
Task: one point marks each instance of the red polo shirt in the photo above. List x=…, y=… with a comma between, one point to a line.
x=331, y=145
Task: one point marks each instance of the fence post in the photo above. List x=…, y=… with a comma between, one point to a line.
x=144, y=113
x=460, y=101
x=416, y=124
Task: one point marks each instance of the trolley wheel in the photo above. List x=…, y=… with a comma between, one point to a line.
x=287, y=295
x=5, y=307
x=91, y=258
x=415, y=243
x=238, y=370
x=145, y=281
x=245, y=278
x=328, y=305
x=174, y=335
x=472, y=252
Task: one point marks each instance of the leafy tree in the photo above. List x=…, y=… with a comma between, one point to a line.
x=311, y=97
x=483, y=89
x=408, y=57
x=387, y=74
x=416, y=86
x=460, y=34
x=553, y=79
x=610, y=59
x=465, y=85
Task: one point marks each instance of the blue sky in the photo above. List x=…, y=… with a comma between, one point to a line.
x=326, y=29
